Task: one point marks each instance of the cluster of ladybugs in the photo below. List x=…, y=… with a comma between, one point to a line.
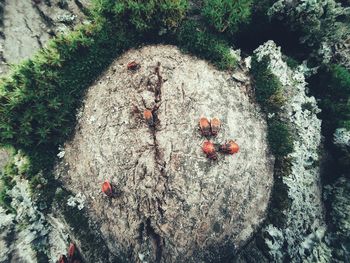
x=211, y=128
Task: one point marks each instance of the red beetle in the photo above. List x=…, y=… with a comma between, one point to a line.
x=133, y=65
x=229, y=147
x=148, y=115
x=71, y=251
x=209, y=149
x=107, y=188
x=204, y=126
x=215, y=125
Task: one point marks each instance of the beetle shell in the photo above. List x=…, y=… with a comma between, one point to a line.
x=107, y=188
x=230, y=147
x=204, y=126
x=133, y=65
x=209, y=149
x=215, y=125
x=71, y=250
x=148, y=115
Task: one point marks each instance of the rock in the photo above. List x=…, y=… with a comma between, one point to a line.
x=175, y=204
x=18, y=232
x=306, y=213
x=28, y=25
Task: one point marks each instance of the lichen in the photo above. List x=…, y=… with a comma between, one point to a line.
x=303, y=236
x=77, y=201
x=27, y=228
x=342, y=137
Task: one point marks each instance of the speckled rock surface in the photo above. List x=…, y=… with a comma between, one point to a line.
x=174, y=205
x=26, y=25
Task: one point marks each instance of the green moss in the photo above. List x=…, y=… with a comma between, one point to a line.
x=267, y=86
x=144, y=16
x=292, y=63
x=227, y=15
x=193, y=38
x=280, y=201
x=280, y=138
x=6, y=184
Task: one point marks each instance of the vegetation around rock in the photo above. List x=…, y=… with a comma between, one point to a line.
x=39, y=98
x=225, y=15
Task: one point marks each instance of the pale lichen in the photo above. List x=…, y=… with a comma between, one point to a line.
x=302, y=237
x=77, y=201
x=342, y=137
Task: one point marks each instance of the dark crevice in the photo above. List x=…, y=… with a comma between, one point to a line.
x=47, y=20
x=156, y=239
x=141, y=229
x=31, y=31
x=39, y=41
x=81, y=7
x=27, y=26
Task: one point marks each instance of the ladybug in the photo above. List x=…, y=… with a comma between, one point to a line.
x=148, y=116
x=107, y=189
x=133, y=65
x=209, y=149
x=229, y=147
x=215, y=126
x=204, y=126
x=71, y=251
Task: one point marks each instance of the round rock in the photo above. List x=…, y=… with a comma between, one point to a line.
x=171, y=203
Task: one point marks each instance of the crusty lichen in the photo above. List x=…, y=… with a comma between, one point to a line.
x=302, y=237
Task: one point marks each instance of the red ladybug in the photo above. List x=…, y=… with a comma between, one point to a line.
x=107, y=188
x=148, y=115
x=133, y=65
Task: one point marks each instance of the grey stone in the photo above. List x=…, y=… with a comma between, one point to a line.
x=175, y=205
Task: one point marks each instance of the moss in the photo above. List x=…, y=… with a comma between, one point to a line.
x=280, y=201
x=269, y=94
x=280, y=138
x=267, y=86
x=7, y=183
x=331, y=86
x=292, y=63
x=227, y=15
x=144, y=16
x=193, y=38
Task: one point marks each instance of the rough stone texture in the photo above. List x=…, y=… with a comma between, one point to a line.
x=174, y=204
x=19, y=233
x=27, y=25
x=342, y=53
x=303, y=237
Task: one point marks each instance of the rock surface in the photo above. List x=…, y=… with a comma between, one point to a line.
x=303, y=237
x=173, y=204
x=27, y=25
